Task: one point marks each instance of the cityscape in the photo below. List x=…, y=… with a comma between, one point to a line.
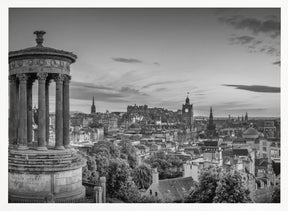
x=152, y=106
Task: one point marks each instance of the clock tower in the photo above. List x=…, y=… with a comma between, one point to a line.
x=187, y=115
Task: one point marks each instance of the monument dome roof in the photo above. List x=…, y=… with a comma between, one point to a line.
x=41, y=50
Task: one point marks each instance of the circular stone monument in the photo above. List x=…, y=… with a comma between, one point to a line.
x=38, y=173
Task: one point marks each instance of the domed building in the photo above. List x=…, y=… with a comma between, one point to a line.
x=251, y=133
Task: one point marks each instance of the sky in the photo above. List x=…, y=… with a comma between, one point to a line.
x=225, y=58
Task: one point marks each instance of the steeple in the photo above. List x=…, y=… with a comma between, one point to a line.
x=93, y=107
x=246, y=117
x=187, y=101
x=211, y=114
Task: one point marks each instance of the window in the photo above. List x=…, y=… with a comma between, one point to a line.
x=156, y=194
x=150, y=192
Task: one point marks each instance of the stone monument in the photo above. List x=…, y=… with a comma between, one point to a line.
x=41, y=173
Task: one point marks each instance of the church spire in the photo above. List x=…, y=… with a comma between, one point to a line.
x=187, y=101
x=93, y=107
x=211, y=114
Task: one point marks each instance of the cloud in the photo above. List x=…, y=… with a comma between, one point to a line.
x=134, y=61
x=162, y=82
x=241, y=40
x=85, y=91
x=161, y=89
x=271, y=26
x=255, y=88
x=88, y=85
x=126, y=60
x=129, y=90
x=277, y=63
x=254, y=45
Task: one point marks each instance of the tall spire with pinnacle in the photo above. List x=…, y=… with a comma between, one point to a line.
x=211, y=114
x=187, y=99
x=93, y=107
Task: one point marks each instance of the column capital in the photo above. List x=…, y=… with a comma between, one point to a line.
x=12, y=78
x=42, y=76
x=67, y=78
x=59, y=78
x=22, y=77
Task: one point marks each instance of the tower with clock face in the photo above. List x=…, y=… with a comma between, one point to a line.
x=187, y=114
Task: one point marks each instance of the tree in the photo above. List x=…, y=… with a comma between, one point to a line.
x=165, y=165
x=102, y=162
x=89, y=172
x=142, y=176
x=276, y=195
x=216, y=186
x=129, y=152
x=205, y=191
x=118, y=174
x=230, y=189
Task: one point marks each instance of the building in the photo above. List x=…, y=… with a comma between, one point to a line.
x=187, y=115
x=171, y=190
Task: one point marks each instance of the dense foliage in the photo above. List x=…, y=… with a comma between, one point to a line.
x=142, y=176
x=121, y=172
x=216, y=186
x=168, y=167
x=276, y=195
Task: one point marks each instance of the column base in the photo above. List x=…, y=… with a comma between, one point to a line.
x=42, y=148
x=67, y=146
x=59, y=147
x=22, y=147
x=11, y=146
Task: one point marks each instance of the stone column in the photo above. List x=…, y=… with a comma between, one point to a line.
x=103, y=185
x=59, y=112
x=12, y=110
x=66, y=112
x=41, y=111
x=47, y=110
x=97, y=192
x=17, y=109
x=29, y=110
x=22, y=136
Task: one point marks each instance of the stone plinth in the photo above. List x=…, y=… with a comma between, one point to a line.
x=35, y=176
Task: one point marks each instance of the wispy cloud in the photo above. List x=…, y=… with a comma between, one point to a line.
x=129, y=90
x=88, y=85
x=162, y=83
x=85, y=91
x=242, y=40
x=255, y=88
x=271, y=26
x=127, y=60
x=266, y=33
x=134, y=61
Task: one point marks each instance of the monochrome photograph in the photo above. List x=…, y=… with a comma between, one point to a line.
x=144, y=105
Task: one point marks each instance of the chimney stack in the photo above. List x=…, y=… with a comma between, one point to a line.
x=155, y=176
x=187, y=170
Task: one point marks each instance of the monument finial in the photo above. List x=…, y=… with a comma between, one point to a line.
x=39, y=37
